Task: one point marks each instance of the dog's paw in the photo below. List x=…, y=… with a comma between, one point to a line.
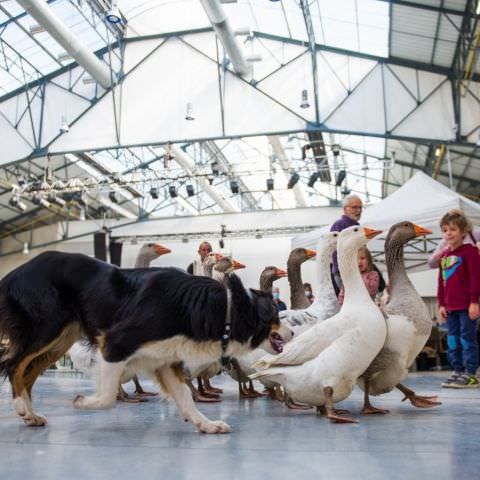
x=19, y=406
x=35, y=420
x=216, y=426
x=82, y=402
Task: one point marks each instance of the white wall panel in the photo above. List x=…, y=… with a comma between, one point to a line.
x=350, y=70
x=398, y=101
x=428, y=82
x=59, y=103
x=248, y=110
x=158, y=113
x=470, y=109
x=95, y=129
x=363, y=109
x=433, y=119
x=13, y=145
x=287, y=84
x=136, y=52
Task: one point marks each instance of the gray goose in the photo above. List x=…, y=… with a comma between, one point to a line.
x=147, y=253
x=408, y=326
x=297, y=256
x=240, y=367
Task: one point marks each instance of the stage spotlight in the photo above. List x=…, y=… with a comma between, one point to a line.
x=112, y=15
x=234, y=187
x=113, y=197
x=293, y=180
x=17, y=203
x=270, y=185
x=189, y=115
x=313, y=178
x=190, y=190
x=172, y=191
x=340, y=177
x=154, y=193
x=305, y=103
x=215, y=169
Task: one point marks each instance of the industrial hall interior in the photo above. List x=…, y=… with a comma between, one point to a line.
x=239, y=239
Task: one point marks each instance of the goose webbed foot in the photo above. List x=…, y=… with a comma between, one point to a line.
x=418, y=400
x=122, y=396
x=247, y=391
x=139, y=391
x=294, y=405
x=210, y=389
x=370, y=409
x=332, y=415
x=321, y=410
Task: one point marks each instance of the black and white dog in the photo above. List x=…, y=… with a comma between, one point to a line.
x=159, y=320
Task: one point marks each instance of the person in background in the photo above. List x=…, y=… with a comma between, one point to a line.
x=276, y=299
x=196, y=267
x=352, y=212
x=309, y=292
x=473, y=237
x=458, y=299
x=370, y=276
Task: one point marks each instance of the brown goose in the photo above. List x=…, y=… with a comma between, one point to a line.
x=297, y=256
x=241, y=366
x=408, y=326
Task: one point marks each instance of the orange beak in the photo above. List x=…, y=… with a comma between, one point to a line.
x=280, y=273
x=310, y=253
x=419, y=231
x=237, y=265
x=161, y=250
x=371, y=233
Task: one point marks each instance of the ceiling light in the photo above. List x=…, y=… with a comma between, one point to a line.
x=189, y=115
x=64, y=128
x=25, y=249
x=336, y=150
x=340, y=177
x=113, y=197
x=270, y=185
x=305, y=103
x=293, y=180
x=172, y=191
x=34, y=29
x=215, y=169
x=113, y=14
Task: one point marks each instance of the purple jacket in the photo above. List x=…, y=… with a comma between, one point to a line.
x=341, y=224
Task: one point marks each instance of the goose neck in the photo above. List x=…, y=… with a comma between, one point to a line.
x=142, y=261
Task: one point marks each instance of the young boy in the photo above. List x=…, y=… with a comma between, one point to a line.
x=458, y=297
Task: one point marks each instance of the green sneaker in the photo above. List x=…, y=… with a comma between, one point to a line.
x=465, y=381
x=453, y=378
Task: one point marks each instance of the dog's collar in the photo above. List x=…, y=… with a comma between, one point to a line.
x=227, y=332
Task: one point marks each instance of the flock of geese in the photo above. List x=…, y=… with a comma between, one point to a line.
x=333, y=347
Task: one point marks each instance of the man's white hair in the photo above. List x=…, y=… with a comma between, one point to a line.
x=348, y=199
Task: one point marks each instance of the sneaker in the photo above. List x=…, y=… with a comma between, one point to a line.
x=453, y=378
x=465, y=381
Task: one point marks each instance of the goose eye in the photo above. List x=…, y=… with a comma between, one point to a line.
x=335, y=234
x=355, y=229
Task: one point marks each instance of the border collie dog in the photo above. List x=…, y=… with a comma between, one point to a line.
x=160, y=320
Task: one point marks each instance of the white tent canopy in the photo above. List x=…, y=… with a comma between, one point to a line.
x=421, y=200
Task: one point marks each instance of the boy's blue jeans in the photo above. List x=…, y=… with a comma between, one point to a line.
x=462, y=342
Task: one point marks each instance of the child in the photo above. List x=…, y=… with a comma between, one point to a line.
x=458, y=297
x=370, y=276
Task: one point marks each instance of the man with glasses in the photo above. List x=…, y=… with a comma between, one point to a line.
x=196, y=267
x=352, y=211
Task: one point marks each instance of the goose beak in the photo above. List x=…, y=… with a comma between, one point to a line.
x=237, y=265
x=419, y=231
x=371, y=233
x=218, y=257
x=280, y=273
x=161, y=250
x=310, y=253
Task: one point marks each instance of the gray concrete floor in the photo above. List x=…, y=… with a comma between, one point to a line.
x=149, y=440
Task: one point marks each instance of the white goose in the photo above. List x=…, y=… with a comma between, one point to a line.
x=326, y=302
x=320, y=366
x=408, y=326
